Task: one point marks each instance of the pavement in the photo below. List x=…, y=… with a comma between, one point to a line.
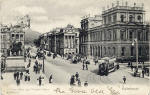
x=8, y=78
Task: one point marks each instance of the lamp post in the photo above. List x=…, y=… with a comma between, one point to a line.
x=136, y=42
x=43, y=62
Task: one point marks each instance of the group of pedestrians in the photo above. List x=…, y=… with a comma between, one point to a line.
x=18, y=76
x=85, y=66
x=75, y=80
x=37, y=67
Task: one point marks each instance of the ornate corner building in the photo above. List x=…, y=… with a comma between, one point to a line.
x=113, y=34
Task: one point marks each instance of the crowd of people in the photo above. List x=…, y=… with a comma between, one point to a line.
x=75, y=80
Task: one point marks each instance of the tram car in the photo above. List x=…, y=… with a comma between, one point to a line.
x=107, y=66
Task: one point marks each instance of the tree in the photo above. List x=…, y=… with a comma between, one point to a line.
x=37, y=42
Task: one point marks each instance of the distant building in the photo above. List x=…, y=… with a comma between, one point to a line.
x=120, y=25
x=62, y=40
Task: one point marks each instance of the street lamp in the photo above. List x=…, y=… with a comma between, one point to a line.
x=136, y=42
x=43, y=62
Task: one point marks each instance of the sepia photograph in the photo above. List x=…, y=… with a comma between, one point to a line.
x=74, y=47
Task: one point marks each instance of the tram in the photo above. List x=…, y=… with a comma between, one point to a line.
x=106, y=66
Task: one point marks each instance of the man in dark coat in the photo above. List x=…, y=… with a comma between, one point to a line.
x=86, y=66
x=17, y=75
x=124, y=79
x=77, y=76
x=72, y=80
x=21, y=74
x=40, y=80
x=143, y=73
x=50, y=79
x=14, y=75
x=83, y=66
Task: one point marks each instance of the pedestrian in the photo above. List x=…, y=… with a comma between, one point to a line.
x=79, y=82
x=1, y=77
x=77, y=75
x=85, y=83
x=14, y=75
x=72, y=80
x=131, y=68
x=17, y=75
x=28, y=77
x=86, y=66
x=29, y=62
x=143, y=73
x=18, y=82
x=40, y=80
x=124, y=79
x=21, y=74
x=50, y=79
x=25, y=77
x=83, y=65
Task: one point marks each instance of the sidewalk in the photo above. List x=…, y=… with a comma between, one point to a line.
x=8, y=78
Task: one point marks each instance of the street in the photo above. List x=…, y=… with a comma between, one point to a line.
x=63, y=69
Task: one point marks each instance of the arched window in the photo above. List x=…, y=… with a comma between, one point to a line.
x=130, y=18
x=122, y=18
x=114, y=51
x=122, y=34
x=130, y=35
x=123, y=51
x=139, y=18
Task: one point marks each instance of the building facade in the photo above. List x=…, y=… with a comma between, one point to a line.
x=9, y=36
x=114, y=37
x=62, y=40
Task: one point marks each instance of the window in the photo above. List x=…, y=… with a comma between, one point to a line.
x=122, y=34
x=109, y=35
x=139, y=18
x=130, y=18
x=114, y=50
x=114, y=35
x=12, y=35
x=123, y=51
x=109, y=18
x=114, y=18
x=21, y=36
x=140, y=51
x=104, y=51
x=17, y=36
x=146, y=35
x=130, y=35
x=139, y=35
x=4, y=37
x=122, y=18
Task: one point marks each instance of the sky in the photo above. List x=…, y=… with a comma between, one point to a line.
x=48, y=14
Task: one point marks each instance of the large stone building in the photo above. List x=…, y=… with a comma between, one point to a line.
x=114, y=36
x=62, y=40
x=10, y=35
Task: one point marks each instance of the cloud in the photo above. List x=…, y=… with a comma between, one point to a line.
x=30, y=10
x=48, y=14
x=43, y=18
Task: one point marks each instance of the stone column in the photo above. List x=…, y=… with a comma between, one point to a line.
x=88, y=44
